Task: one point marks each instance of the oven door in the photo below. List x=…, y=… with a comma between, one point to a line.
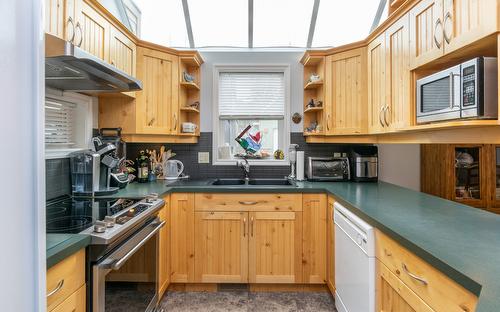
x=127, y=278
x=438, y=96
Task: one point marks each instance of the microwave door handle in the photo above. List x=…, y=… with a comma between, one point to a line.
x=452, y=89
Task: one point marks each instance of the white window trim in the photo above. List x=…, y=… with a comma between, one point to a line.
x=78, y=99
x=252, y=68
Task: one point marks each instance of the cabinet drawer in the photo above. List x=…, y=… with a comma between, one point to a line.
x=436, y=289
x=65, y=278
x=248, y=202
x=74, y=303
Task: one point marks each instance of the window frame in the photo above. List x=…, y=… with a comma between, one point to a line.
x=250, y=68
x=84, y=103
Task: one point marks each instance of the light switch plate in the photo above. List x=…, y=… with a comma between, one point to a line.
x=203, y=157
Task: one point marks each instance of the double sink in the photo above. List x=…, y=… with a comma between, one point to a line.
x=259, y=182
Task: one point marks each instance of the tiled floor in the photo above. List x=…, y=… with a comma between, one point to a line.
x=244, y=301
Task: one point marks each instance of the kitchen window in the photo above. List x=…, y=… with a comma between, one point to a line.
x=68, y=123
x=253, y=98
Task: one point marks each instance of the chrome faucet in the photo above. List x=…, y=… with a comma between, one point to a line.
x=243, y=164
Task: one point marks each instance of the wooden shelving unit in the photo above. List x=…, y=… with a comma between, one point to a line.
x=190, y=62
x=314, y=63
x=313, y=84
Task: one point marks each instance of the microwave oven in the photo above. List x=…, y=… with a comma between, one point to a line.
x=467, y=90
x=328, y=169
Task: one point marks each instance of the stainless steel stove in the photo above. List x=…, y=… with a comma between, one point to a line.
x=124, y=232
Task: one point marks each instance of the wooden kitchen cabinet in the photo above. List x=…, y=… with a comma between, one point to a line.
x=74, y=303
x=393, y=295
x=182, y=237
x=221, y=247
x=377, y=100
x=61, y=18
x=164, y=249
x=122, y=52
x=398, y=112
x=467, y=181
x=92, y=30
x=426, y=32
x=439, y=27
x=346, y=96
x=330, y=246
x=314, y=241
x=275, y=247
x=466, y=21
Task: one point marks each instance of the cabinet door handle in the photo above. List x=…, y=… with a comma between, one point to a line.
x=436, y=41
x=328, y=122
x=78, y=26
x=386, y=109
x=244, y=227
x=70, y=21
x=248, y=203
x=415, y=277
x=175, y=122
x=251, y=226
x=58, y=288
x=447, y=17
x=150, y=123
x=380, y=116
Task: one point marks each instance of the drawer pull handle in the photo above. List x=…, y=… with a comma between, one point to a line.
x=415, y=277
x=248, y=203
x=58, y=287
x=387, y=253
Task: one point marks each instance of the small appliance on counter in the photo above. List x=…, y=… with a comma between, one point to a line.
x=91, y=170
x=173, y=169
x=467, y=90
x=364, y=163
x=114, y=136
x=328, y=169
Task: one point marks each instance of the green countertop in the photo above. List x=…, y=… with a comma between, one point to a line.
x=60, y=246
x=460, y=241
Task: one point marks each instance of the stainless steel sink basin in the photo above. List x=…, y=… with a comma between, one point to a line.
x=260, y=182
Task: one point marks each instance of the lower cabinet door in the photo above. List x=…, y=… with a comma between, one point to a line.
x=74, y=303
x=275, y=247
x=393, y=295
x=221, y=247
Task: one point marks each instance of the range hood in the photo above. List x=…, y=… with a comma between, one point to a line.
x=70, y=68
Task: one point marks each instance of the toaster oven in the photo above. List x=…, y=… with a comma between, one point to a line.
x=328, y=169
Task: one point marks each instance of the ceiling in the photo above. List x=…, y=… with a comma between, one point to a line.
x=258, y=23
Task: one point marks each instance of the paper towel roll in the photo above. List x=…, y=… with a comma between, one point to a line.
x=300, y=166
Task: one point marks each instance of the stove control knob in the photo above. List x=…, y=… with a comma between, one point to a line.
x=151, y=198
x=109, y=221
x=99, y=227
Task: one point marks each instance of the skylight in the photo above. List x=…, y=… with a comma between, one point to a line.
x=274, y=23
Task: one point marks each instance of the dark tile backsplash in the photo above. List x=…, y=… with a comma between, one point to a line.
x=188, y=154
x=57, y=177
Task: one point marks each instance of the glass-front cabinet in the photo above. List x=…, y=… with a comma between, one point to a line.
x=469, y=175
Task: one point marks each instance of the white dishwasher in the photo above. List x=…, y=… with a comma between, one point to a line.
x=354, y=262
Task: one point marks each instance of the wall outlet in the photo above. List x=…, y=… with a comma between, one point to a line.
x=203, y=157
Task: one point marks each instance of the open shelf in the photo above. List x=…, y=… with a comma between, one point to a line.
x=313, y=84
x=313, y=109
x=190, y=85
x=190, y=110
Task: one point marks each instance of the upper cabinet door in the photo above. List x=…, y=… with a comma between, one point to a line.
x=348, y=92
x=60, y=18
x=92, y=31
x=377, y=101
x=122, y=52
x=397, y=114
x=426, y=32
x=466, y=21
x=157, y=111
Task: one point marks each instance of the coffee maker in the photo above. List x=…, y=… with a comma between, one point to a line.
x=364, y=163
x=91, y=170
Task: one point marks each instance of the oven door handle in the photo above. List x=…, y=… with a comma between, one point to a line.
x=116, y=264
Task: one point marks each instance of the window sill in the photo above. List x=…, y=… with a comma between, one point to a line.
x=252, y=162
x=60, y=153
